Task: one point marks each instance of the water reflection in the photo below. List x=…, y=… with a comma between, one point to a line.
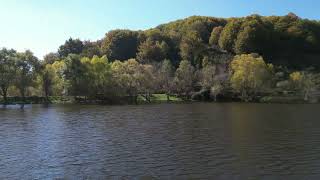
x=184, y=141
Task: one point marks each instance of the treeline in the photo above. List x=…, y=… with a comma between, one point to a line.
x=282, y=40
x=201, y=58
x=97, y=78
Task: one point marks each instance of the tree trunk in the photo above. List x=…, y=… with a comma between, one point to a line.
x=306, y=96
x=23, y=98
x=147, y=97
x=5, y=99
x=47, y=99
x=136, y=99
x=187, y=96
x=244, y=95
x=46, y=93
x=4, y=94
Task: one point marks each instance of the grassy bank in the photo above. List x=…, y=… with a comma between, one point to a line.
x=154, y=99
x=38, y=100
x=287, y=99
x=159, y=98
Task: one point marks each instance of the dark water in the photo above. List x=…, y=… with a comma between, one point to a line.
x=181, y=141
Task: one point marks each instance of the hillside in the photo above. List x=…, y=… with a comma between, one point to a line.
x=282, y=40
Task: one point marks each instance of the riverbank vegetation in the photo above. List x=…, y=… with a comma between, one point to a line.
x=253, y=58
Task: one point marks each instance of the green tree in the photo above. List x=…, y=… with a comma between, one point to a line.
x=208, y=77
x=145, y=76
x=71, y=46
x=150, y=51
x=210, y=81
x=59, y=85
x=216, y=89
x=166, y=75
x=229, y=34
x=125, y=73
x=253, y=37
x=154, y=35
x=51, y=58
x=120, y=44
x=7, y=71
x=47, y=79
x=51, y=79
x=250, y=75
x=134, y=78
x=191, y=48
x=100, y=75
x=303, y=82
x=27, y=67
x=91, y=49
x=200, y=27
x=75, y=75
x=215, y=35
x=184, y=77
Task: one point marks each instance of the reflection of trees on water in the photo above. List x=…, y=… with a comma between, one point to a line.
x=272, y=141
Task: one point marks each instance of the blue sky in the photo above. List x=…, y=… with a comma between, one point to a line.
x=43, y=25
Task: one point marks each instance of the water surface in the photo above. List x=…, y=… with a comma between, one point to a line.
x=166, y=141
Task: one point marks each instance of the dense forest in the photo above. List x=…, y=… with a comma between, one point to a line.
x=199, y=58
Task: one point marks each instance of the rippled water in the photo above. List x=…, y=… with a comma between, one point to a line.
x=175, y=141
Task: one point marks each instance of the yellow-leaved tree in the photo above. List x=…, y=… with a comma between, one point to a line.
x=250, y=75
x=51, y=79
x=303, y=82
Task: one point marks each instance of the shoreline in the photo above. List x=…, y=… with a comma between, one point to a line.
x=159, y=100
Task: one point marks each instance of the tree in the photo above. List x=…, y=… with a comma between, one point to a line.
x=215, y=35
x=303, y=82
x=59, y=85
x=71, y=46
x=125, y=73
x=166, y=75
x=51, y=79
x=250, y=75
x=183, y=80
x=134, y=78
x=191, y=47
x=216, y=89
x=51, y=58
x=75, y=75
x=120, y=44
x=209, y=80
x=47, y=78
x=27, y=66
x=207, y=74
x=145, y=78
x=150, y=51
x=154, y=35
x=253, y=37
x=91, y=49
x=7, y=71
x=229, y=35
x=100, y=76
x=89, y=77
x=200, y=27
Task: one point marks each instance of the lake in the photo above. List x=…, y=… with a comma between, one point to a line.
x=165, y=141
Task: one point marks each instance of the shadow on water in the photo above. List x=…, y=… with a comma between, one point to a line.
x=167, y=141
